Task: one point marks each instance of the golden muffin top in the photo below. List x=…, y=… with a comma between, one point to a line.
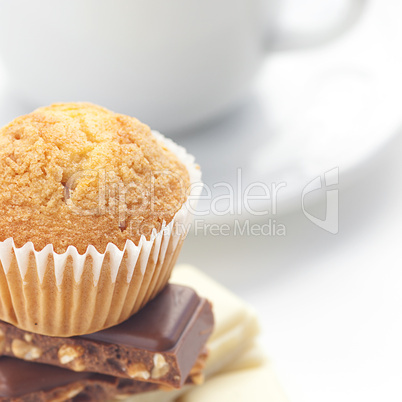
x=78, y=174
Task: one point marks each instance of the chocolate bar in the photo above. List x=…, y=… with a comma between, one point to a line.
x=26, y=381
x=160, y=344
x=236, y=324
x=231, y=345
x=22, y=381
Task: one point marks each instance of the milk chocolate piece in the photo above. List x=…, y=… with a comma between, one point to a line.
x=159, y=344
x=26, y=381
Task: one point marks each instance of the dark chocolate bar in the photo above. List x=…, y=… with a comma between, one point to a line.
x=160, y=344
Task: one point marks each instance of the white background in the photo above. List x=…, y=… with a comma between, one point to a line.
x=330, y=305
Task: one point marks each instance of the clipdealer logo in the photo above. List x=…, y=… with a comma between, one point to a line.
x=239, y=228
x=252, y=207
x=331, y=221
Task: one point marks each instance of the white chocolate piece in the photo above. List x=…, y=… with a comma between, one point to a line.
x=153, y=396
x=252, y=384
x=251, y=358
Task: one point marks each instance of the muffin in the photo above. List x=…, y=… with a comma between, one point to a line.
x=94, y=210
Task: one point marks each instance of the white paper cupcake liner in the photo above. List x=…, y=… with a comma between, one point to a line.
x=71, y=294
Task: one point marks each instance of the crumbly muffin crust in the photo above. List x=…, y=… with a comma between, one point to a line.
x=78, y=174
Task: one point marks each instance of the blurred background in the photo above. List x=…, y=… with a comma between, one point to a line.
x=293, y=111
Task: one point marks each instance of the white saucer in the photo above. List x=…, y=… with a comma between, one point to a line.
x=312, y=111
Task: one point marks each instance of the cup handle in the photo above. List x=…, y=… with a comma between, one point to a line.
x=284, y=40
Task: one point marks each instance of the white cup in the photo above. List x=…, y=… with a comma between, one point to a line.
x=174, y=64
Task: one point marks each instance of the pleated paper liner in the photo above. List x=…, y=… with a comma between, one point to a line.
x=71, y=294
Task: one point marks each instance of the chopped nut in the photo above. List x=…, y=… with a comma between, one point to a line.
x=138, y=370
x=165, y=387
x=198, y=379
x=2, y=341
x=198, y=367
x=67, y=395
x=68, y=353
x=160, y=366
x=78, y=365
x=24, y=350
x=122, y=397
x=28, y=337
